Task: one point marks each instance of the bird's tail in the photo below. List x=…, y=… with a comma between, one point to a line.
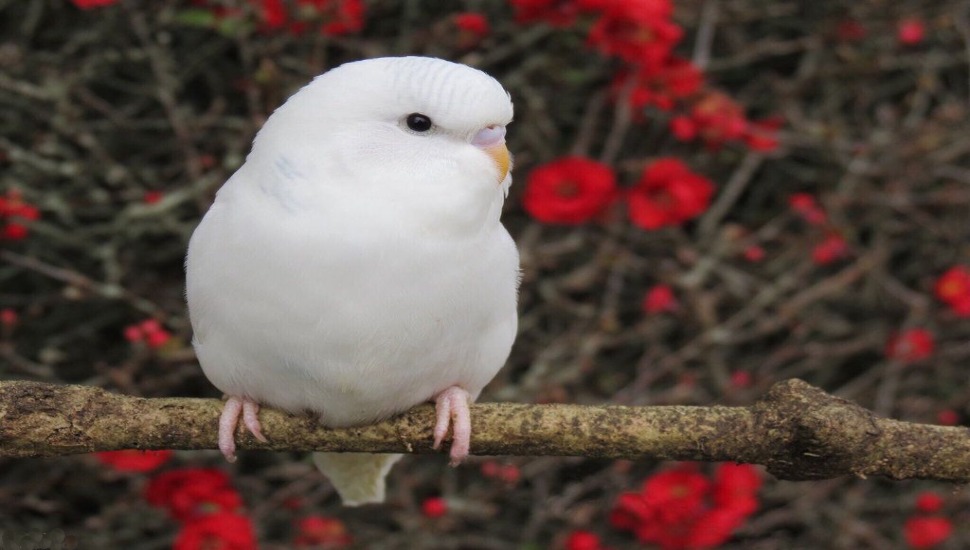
x=357, y=477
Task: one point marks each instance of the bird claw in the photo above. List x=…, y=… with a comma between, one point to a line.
x=233, y=409
x=451, y=408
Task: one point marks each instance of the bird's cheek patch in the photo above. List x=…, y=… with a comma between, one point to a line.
x=500, y=154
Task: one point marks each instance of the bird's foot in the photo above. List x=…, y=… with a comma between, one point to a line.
x=233, y=409
x=451, y=407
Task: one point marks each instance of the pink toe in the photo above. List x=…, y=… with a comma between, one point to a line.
x=251, y=420
x=228, y=421
x=443, y=420
x=462, y=432
x=452, y=411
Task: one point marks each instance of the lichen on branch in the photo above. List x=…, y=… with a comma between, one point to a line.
x=797, y=431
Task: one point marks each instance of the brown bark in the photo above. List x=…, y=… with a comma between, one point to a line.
x=797, y=431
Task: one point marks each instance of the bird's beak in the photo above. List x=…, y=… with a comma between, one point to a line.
x=500, y=154
x=492, y=140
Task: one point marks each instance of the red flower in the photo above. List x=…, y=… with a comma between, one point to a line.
x=754, y=253
x=954, y=284
x=801, y=202
x=157, y=339
x=222, y=531
x=740, y=379
x=323, y=532
x=149, y=331
x=710, y=530
x=659, y=85
x=220, y=12
x=948, y=417
x=273, y=13
x=683, y=128
x=583, y=540
x=91, y=4
x=850, y=30
x=570, y=190
x=629, y=511
x=490, y=468
x=148, y=326
x=339, y=17
x=182, y=491
x=641, y=33
x=13, y=212
x=910, y=346
x=683, y=509
x=193, y=501
x=13, y=206
x=718, y=119
x=953, y=288
x=472, y=22
x=558, y=13
x=134, y=461
x=735, y=482
x=132, y=333
x=762, y=135
x=676, y=493
x=434, y=507
x=910, y=31
x=831, y=249
x=510, y=474
x=927, y=532
x=668, y=193
x=929, y=502
x=13, y=232
x=152, y=197
x=807, y=208
x=472, y=29
x=659, y=299
x=8, y=317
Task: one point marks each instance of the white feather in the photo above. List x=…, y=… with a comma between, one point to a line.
x=353, y=268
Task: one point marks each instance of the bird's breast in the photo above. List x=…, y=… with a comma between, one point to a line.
x=354, y=325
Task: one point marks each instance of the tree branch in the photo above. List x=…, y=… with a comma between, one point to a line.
x=797, y=431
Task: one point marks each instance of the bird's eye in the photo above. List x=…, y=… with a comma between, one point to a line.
x=418, y=123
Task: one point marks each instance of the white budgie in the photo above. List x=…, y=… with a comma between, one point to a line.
x=355, y=265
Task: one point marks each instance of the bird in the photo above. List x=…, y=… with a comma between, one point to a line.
x=355, y=265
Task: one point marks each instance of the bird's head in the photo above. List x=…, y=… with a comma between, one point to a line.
x=424, y=136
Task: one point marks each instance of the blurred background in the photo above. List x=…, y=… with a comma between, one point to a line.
x=709, y=198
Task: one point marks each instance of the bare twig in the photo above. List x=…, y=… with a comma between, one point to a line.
x=71, y=277
x=705, y=34
x=962, y=21
x=731, y=193
x=798, y=431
